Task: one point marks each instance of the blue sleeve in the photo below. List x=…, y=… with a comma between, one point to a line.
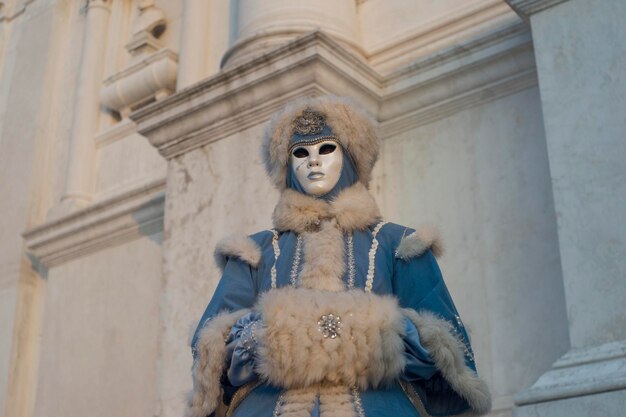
x=236, y=290
x=241, y=346
x=419, y=364
x=419, y=285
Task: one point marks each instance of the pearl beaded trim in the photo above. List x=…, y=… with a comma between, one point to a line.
x=276, y=255
x=249, y=336
x=369, y=282
x=293, y=277
x=358, y=404
x=279, y=405
x=467, y=349
x=351, y=267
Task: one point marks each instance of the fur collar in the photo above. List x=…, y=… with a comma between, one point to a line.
x=354, y=208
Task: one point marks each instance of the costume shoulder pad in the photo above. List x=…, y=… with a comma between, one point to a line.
x=415, y=244
x=237, y=246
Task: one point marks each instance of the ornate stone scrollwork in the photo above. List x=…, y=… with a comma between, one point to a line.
x=153, y=68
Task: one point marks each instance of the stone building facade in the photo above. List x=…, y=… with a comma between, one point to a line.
x=129, y=135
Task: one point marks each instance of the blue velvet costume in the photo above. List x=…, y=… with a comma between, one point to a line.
x=427, y=385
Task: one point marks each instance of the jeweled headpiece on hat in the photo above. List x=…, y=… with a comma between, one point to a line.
x=311, y=120
x=310, y=128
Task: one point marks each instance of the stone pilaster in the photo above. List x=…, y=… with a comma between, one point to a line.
x=194, y=43
x=583, y=96
x=80, y=176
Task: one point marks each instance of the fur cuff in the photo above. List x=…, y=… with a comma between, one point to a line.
x=293, y=351
x=437, y=336
x=209, y=365
x=418, y=242
x=236, y=246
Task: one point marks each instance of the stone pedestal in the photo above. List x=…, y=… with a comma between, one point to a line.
x=581, y=79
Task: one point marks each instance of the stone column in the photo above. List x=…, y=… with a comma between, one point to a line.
x=262, y=25
x=80, y=175
x=582, y=79
x=194, y=43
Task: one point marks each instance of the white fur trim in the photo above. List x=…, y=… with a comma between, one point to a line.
x=299, y=212
x=297, y=402
x=293, y=353
x=446, y=350
x=418, y=242
x=209, y=365
x=354, y=208
x=324, y=265
x=337, y=401
x=355, y=130
x=237, y=246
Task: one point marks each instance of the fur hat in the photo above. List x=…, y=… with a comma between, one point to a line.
x=353, y=128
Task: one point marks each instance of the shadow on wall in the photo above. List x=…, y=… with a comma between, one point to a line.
x=149, y=218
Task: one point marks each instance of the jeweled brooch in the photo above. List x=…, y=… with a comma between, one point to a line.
x=309, y=123
x=329, y=325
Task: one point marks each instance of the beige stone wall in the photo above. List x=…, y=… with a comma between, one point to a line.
x=482, y=175
x=129, y=134
x=100, y=333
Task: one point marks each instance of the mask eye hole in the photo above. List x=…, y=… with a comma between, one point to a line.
x=327, y=148
x=300, y=153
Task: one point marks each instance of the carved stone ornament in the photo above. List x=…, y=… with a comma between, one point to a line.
x=309, y=123
x=153, y=69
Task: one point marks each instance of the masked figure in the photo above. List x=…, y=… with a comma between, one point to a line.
x=334, y=312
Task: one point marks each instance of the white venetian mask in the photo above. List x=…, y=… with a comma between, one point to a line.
x=317, y=167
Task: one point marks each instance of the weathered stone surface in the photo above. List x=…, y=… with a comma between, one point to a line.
x=212, y=192
x=582, y=89
x=502, y=256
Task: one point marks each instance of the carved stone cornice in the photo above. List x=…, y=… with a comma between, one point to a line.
x=106, y=223
x=248, y=94
x=494, y=65
x=489, y=67
x=525, y=8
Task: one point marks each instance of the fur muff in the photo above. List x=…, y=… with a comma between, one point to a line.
x=355, y=130
x=446, y=350
x=293, y=352
x=209, y=365
x=238, y=246
x=418, y=242
x=354, y=208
